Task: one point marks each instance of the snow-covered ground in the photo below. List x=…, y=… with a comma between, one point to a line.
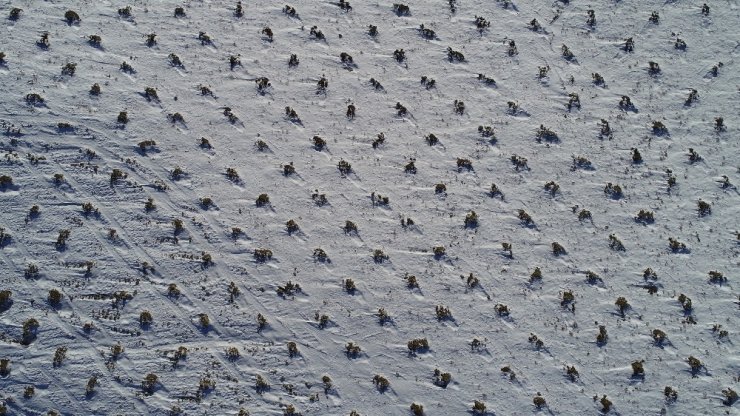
x=108, y=278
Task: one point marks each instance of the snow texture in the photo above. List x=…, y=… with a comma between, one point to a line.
x=108, y=278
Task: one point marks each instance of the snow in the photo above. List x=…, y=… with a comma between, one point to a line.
x=97, y=145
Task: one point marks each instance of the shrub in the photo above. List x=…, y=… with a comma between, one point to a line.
x=318, y=143
x=204, y=321
x=262, y=200
x=717, y=277
x=71, y=17
x=638, y=370
x=344, y=167
x=613, y=191
x=443, y=313
x=206, y=202
x=5, y=300
x=149, y=384
x=145, y=319
x=659, y=337
x=602, y=336
x=261, y=322
x=659, y=128
x=606, y=404
x=567, y=298
x=502, y=310
x=571, y=372
x=411, y=281
x=536, y=275
x=695, y=364
x=15, y=13
x=622, y=305
x=645, y=217
x=261, y=384
x=539, y=401
x=418, y=345
x=350, y=227
x=289, y=289
x=536, y=341
x=349, y=286
x=615, y=243
x=59, y=355
x=383, y=316
x=322, y=320
x=179, y=12
x=677, y=246
x=442, y=379
x=544, y=133
x=6, y=181
x=291, y=226
x=671, y=395
x=352, y=350
x=479, y=408
x=417, y=409
x=34, y=99
x=30, y=327
x=379, y=256
x=471, y=220
x=94, y=40
x=262, y=254
x=704, y=208
x=730, y=395
x=292, y=349
x=381, y=383
x=558, y=249
x=55, y=297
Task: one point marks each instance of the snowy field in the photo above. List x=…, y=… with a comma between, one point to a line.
x=189, y=250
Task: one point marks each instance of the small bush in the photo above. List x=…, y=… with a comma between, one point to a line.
x=145, y=319
x=149, y=384
x=379, y=256
x=59, y=355
x=55, y=297
x=262, y=200
x=557, y=249
x=442, y=379
x=606, y=404
x=622, y=305
x=381, y=383
x=292, y=349
x=289, y=289
x=261, y=384
x=30, y=327
x=730, y=397
x=602, y=336
x=262, y=254
x=659, y=336
x=539, y=401
x=638, y=370
x=352, y=350
x=671, y=395
x=71, y=17
x=418, y=345
x=417, y=409
x=204, y=321
x=695, y=365
x=645, y=217
x=471, y=220
x=345, y=168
